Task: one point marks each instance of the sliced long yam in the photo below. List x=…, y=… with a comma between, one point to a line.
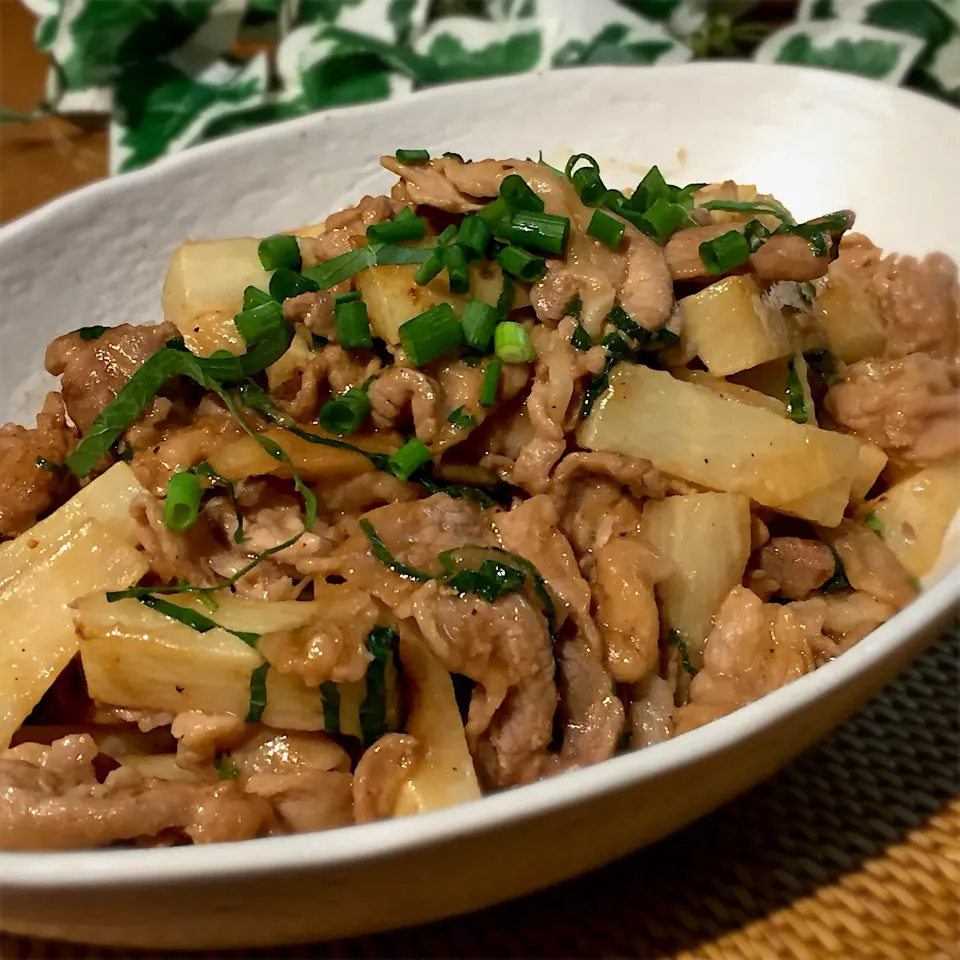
x=106, y=500
x=392, y=295
x=914, y=514
x=689, y=431
x=134, y=656
x=706, y=539
x=37, y=638
x=732, y=328
x=246, y=458
x=848, y=311
x=444, y=775
x=203, y=291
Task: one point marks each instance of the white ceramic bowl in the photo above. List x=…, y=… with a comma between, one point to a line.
x=820, y=140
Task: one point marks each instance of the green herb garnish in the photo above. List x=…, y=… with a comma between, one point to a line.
x=874, y=523
x=462, y=418
x=194, y=619
x=226, y=768
x=381, y=642
x=796, y=401
x=330, y=701
x=258, y=694
x=838, y=581
x=675, y=640
x=94, y=332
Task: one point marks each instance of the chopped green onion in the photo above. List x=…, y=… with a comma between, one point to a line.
x=474, y=237
x=521, y=264
x=462, y=419
x=479, y=320
x=347, y=297
x=447, y=235
x=590, y=188
x=511, y=343
x=345, y=414
x=182, y=506
x=493, y=212
x=491, y=381
x=663, y=218
x=429, y=268
x=431, y=334
x=379, y=549
x=542, y=231
x=458, y=273
x=756, y=234
x=405, y=226
x=543, y=163
x=575, y=159
x=649, y=190
x=507, y=295
x=353, y=325
x=286, y=283
x=334, y=271
x=258, y=694
x=92, y=333
x=606, y=229
x=675, y=640
x=255, y=297
x=726, y=252
x=281, y=250
x=519, y=195
x=413, y=156
x=796, y=402
x=751, y=206
x=410, y=457
x=874, y=523
x=258, y=322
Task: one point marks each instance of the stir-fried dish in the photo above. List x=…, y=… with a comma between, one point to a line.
x=475, y=483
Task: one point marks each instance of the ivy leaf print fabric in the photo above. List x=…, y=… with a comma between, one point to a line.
x=853, y=48
x=172, y=73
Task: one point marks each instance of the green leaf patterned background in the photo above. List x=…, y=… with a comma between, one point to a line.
x=173, y=73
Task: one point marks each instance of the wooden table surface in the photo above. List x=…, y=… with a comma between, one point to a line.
x=42, y=159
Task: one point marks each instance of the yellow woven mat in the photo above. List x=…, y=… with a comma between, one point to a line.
x=852, y=852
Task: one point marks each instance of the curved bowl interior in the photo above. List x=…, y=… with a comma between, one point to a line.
x=820, y=141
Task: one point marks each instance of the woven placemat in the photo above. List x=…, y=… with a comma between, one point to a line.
x=852, y=852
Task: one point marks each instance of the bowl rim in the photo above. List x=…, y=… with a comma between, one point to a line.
x=85, y=869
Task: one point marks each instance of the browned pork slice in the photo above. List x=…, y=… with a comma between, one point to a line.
x=32, y=482
x=593, y=716
x=50, y=800
x=93, y=371
x=792, y=567
x=910, y=407
x=636, y=275
x=341, y=228
x=920, y=301
x=753, y=649
x=380, y=774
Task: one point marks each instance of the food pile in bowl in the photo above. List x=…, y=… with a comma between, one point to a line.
x=482, y=481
